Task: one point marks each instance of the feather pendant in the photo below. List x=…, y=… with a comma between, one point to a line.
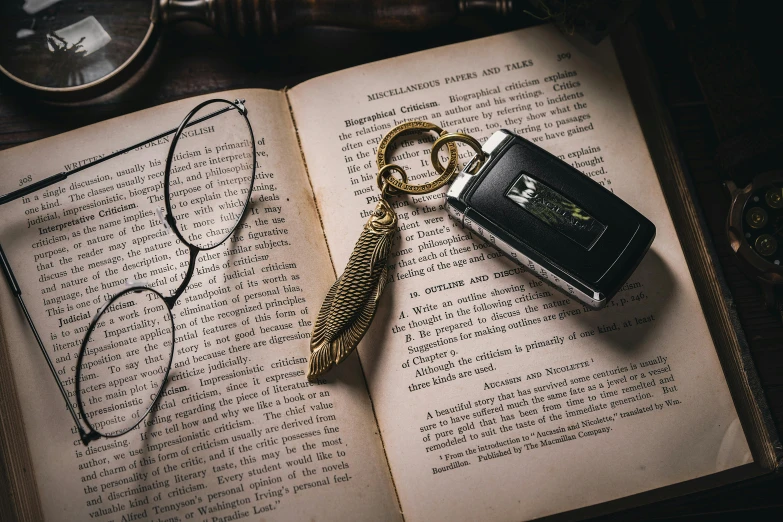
x=350, y=304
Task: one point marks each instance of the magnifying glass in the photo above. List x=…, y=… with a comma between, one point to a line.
x=70, y=50
x=73, y=50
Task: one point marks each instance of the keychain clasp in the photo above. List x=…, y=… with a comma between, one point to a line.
x=395, y=186
x=390, y=185
x=450, y=137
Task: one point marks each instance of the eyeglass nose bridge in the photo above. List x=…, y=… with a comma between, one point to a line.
x=193, y=253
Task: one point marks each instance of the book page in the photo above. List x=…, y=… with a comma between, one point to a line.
x=239, y=433
x=498, y=396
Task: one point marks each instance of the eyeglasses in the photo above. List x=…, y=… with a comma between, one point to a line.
x=128, y=348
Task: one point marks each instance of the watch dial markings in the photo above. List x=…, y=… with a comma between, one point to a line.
x=774, y=197
x=763, y=222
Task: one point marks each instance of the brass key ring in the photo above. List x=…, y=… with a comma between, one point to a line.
x=448, y=139
x=382, y=179
x=395, y=186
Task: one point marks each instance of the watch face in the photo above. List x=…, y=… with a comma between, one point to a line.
x=762, y=222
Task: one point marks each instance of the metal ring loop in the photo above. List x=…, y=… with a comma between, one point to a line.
x=450, y=137
x=446, y=174
x=383, y=182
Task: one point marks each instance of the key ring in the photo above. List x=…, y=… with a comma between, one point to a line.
x=449, y=138
x=395, y=186
x=383, y=180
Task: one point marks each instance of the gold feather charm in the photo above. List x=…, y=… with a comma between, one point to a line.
x=350, y=303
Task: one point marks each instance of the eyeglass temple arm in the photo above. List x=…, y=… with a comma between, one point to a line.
x=9, y=275
x=51, y=180
x=29, y=189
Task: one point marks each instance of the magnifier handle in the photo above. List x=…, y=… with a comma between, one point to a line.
x=255, y=19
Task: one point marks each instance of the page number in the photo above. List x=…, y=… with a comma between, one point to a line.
x=563, y=56
x=25, y=180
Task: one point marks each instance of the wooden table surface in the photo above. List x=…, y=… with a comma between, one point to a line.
x=192, y=60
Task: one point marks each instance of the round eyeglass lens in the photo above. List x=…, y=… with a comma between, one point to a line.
x=211, y=175
x=61, y=44
x=124, y=361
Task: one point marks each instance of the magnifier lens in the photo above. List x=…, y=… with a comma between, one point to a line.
x=67, y=44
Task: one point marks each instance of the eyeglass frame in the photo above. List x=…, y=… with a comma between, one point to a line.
x=170, y=220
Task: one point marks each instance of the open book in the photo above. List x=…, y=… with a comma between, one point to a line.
x=479, y=393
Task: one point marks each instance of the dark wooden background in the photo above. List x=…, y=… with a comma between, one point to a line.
x=193, y=60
